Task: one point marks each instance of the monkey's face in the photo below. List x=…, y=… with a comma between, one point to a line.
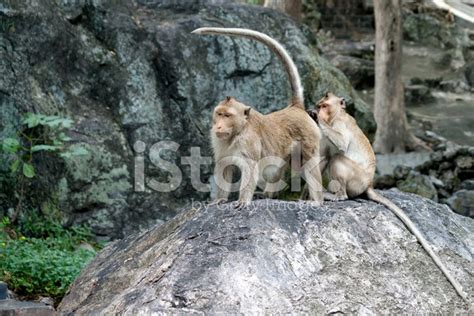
x=329, y=106
x=229, y=118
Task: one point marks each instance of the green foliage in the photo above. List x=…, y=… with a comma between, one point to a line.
x=39, y=133
x=38, y=256
x=45, y=259
x=255, y=2
x=28, y=170
x=34, y=225
x=10, y=145
x=34, y=266
x=3, y=225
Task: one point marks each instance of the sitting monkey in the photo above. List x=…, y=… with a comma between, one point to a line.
x=244, y=137
x=347, y=155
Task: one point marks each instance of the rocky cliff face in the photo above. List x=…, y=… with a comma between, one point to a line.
x=278, y=257
x=444, y=175
x=131, y=71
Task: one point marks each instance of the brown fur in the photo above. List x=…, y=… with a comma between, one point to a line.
x=256, y=136
x=345, y=149
x=239, y=133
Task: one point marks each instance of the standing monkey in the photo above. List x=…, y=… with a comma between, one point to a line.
x=244, y=137
x=350, y=160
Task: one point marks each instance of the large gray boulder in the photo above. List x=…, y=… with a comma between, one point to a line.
x=128, y=71
x=278, y=257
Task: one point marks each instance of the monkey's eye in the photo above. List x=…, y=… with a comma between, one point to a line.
x=227, y=115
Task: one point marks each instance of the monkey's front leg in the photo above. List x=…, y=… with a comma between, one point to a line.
x=248, y=183
x=223, y=184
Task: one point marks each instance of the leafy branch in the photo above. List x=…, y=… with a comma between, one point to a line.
x=38, y=133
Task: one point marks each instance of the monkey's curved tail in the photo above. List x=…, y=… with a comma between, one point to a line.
x=277, y=48
x=374, y=196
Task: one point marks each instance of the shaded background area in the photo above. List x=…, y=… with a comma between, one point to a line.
x=437, y=73
x=437, y=59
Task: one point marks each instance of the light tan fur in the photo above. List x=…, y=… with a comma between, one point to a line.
x=246, y=136
x=345, y=150
x=257, y=136
x=350, y=160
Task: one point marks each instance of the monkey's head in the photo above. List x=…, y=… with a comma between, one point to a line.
x=329, y=106
x=229, y=118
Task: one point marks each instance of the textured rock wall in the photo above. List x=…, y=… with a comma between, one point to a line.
x=131, y=71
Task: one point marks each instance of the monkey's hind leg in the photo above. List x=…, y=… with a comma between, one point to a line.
x=313, y=179
x=305, y=192
x=337, y=189
x=347, y=178
x=274, y=187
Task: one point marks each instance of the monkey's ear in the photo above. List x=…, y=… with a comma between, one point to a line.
x=343, y=103
x=247, y=112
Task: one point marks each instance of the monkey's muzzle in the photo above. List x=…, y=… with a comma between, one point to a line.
x=222, y=135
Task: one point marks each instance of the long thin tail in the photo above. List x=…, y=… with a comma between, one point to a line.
x=374, y=196
x=277, y=48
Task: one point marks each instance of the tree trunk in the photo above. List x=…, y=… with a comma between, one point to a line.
x=290, y=7
x=392, y=133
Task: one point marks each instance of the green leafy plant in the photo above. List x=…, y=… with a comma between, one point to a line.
x=38, y=133
x=46, y=257
x=3, y=228
x=34, y=225
x=38, y=256
x=255, y=2
x=33, y=266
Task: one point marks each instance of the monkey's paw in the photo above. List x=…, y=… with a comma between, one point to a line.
x=218, y=202
x=330, y=197
x=335, y=197
x=241, y=204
